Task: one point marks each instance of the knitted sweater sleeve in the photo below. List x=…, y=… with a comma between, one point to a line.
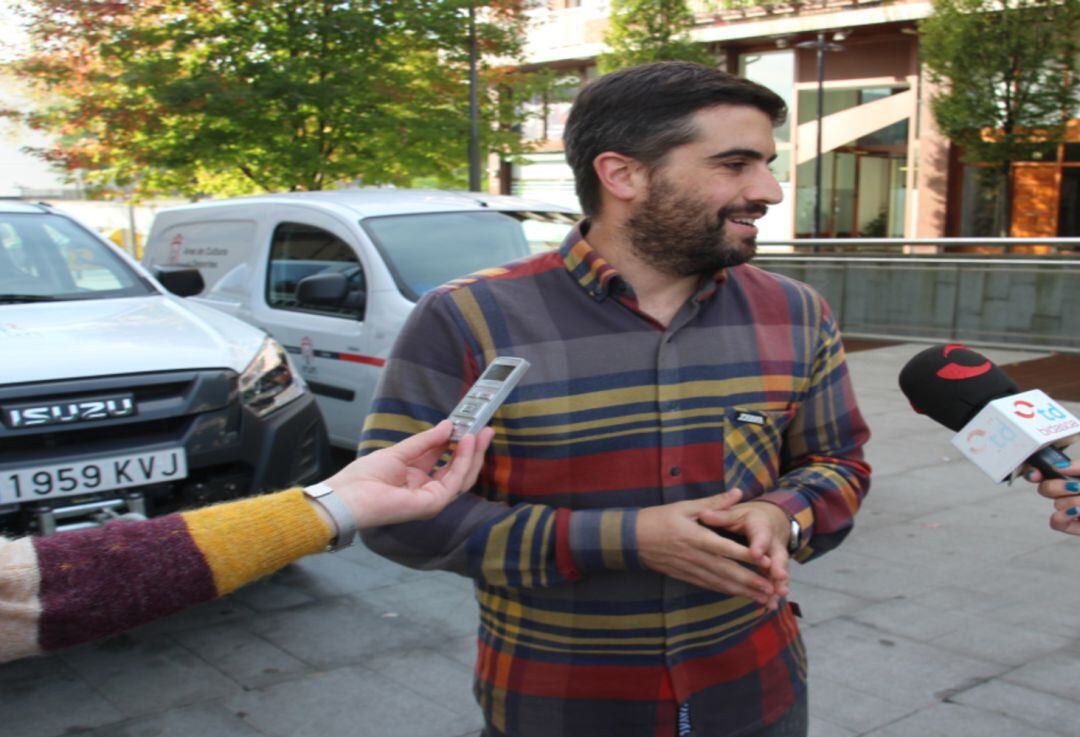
x=73, y=587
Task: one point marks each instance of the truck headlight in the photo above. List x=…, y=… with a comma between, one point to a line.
x=269, y=381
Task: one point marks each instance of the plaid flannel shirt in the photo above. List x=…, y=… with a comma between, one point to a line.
x=747, y=387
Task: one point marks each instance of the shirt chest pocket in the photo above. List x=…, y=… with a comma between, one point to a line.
x=753, y=439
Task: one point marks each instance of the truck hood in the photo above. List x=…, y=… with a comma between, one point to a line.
x=75, y=339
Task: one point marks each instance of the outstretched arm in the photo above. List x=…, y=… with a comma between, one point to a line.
x=73, y=587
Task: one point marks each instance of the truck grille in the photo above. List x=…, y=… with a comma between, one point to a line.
x=86, y=438
x=167, y=405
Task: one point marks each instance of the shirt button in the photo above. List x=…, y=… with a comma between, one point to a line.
x=675, y=471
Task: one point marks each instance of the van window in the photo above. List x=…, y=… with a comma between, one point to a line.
x=426, y=250
x=299, y=250
x=214, y=247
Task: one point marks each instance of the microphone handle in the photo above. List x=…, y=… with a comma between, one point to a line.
x=1047, y=461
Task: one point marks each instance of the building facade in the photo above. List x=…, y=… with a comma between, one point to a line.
x=885, y=169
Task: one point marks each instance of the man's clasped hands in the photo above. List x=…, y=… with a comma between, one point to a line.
x=681, y=540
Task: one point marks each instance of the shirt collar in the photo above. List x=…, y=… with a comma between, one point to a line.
x=599, y=278
x=589, y=269
x=708, y=285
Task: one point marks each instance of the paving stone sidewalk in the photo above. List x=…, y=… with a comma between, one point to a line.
x=950, y=611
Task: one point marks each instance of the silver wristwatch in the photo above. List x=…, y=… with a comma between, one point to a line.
x=342, y=516
x=795, y=536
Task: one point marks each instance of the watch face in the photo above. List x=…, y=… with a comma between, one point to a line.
x=317, y=490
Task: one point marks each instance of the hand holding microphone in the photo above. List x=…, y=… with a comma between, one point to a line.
x=999, y=428
x=1066, y=495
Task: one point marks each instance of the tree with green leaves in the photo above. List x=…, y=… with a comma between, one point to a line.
x=235, y=96
x=1007, y=71
x=643, y=31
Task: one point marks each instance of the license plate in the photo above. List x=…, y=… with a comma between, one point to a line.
x=86, y=477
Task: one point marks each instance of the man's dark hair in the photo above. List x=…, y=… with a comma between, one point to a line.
x=645, y=111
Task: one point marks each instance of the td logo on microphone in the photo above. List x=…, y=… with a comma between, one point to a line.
x=1007, y=431
x=997, y=438
x=1028, y=411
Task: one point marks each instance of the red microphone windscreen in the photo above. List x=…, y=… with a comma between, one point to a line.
x=951, y=383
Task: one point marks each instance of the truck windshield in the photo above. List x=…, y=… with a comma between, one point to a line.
x=46, y=257
x=429, y=249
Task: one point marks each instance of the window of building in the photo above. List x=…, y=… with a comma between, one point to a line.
x=548, y=111
x=1069, y=213
x=982, y=202
x=1045, y=196
x=864, y=182
x=837, y=100
x=863, y=190
x=775, y=70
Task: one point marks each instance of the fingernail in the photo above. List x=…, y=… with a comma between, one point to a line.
x=1064, y=463
x=1072, y=511
x=1029, y=475
x=1072, y=486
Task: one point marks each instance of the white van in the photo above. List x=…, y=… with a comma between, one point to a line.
x=333, y=275
x=117, y=397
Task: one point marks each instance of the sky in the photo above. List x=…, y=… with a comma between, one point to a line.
x=17, y=169
x=13, y=35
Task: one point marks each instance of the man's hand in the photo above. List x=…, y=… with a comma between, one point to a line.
x=1066, y=496
x=670, y=541
x=396, y=484
x=767, y=528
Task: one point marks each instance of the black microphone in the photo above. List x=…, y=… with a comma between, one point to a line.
x=952, y=383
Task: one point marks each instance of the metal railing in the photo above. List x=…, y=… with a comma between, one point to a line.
x=939, y=289
x=902, y=245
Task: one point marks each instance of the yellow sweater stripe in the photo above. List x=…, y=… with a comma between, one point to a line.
x=230, y=536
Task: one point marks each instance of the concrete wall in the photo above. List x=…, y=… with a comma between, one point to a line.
x=1022, y=303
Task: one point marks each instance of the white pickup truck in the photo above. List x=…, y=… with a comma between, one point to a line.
x=117, y=397
x=333, y=275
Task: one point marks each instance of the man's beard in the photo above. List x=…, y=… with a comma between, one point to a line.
x=679, y=236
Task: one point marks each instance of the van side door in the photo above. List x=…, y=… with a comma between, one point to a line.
x=329, y=343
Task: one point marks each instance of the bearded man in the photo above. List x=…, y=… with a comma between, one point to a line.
x=687, y=425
